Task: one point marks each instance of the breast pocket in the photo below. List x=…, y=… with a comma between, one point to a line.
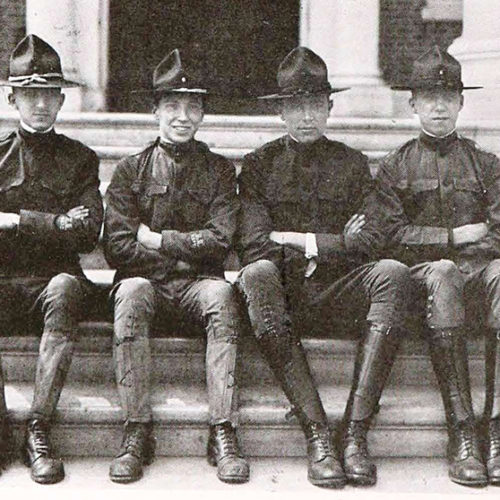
x=420, y=199
x=147, y=194
x=196, y=206
x=468, y=201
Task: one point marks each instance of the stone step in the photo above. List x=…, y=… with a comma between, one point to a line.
x=115, y=135
x=182, y=360
x=270, y=478
x=89, y=420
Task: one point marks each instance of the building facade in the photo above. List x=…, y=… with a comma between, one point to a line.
x=111, y=46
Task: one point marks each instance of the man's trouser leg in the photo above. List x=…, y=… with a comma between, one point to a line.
x=484, y=286
x=212, y=303
x=444, y=286
x=384, y=287
x=260, y=286
x=61, y=303
x=134, y=308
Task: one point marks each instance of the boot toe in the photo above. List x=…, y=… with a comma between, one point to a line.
x=125, y=469
x=231, y=469
x=469, y=472
x=493, y=466
x=47, y=470
x=360, y=473
x=327, y=473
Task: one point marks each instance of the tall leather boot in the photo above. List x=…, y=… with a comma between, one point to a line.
x=291, y=368
x=54, y=360
x=491, y=418
x=449, y=358
x=374, y=360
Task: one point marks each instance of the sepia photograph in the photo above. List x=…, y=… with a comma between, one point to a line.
x=249, y=248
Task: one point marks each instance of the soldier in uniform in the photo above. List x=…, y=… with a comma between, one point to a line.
x=306, y=243
x=439, y=196
x=51, y=211
x=171, y=214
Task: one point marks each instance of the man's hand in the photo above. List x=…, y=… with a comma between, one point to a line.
x=65, y=222
x=148, y=238
x=180, y=265
x=8, y=220
x=469, y=233
x=78, y=213
x=289, y=238
x=353, y=227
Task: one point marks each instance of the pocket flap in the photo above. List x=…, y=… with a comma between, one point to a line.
x=419, y=185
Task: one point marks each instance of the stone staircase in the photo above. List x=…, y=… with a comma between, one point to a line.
x=410, y=422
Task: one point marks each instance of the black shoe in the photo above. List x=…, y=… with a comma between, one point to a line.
x=324, y=467
x=38, y=454
x=358, y=467
x=464, y=457
x=137, y=449
x=492, y=455
x=223, y=451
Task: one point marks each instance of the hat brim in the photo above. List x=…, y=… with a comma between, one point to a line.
x=408, y=87
x=56, y=84
x=288, y=95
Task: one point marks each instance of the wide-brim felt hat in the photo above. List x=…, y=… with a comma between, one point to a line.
x=35, y=64
x=302, y=72
x=172, y=75
x=435, y=69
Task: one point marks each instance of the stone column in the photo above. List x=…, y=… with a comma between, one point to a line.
x=78, y=30
x=346, y=35
x=478, y=50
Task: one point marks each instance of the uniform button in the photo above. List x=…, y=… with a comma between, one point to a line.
x=429, y=315
x=431, y=297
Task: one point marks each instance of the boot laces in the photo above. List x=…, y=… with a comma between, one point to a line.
x=134, y=441
x=40, y=438
x=494, y=435
x=227, y=439
x=320, y=436
x=465, y=437
x=357, y=430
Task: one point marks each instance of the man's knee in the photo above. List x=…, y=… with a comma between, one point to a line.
x=134, y=309
x=492, y=274
x=445, y=270
x=134, y=289
x=63, y=288
x=393, y=269
x=257, y=272
x=220, y=310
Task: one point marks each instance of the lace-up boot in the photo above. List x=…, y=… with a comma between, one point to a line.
x=224, y=452
x=137, y=449
x=492, y=455
x=374, y=359
x=449, y=359
x=324, y=467
x=358, y=467
x=38, y=454
x=464, y=456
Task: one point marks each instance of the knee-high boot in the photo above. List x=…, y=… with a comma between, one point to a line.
x=374, y=360
x=449, y=358
x=289, y=364
x=491, y=418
